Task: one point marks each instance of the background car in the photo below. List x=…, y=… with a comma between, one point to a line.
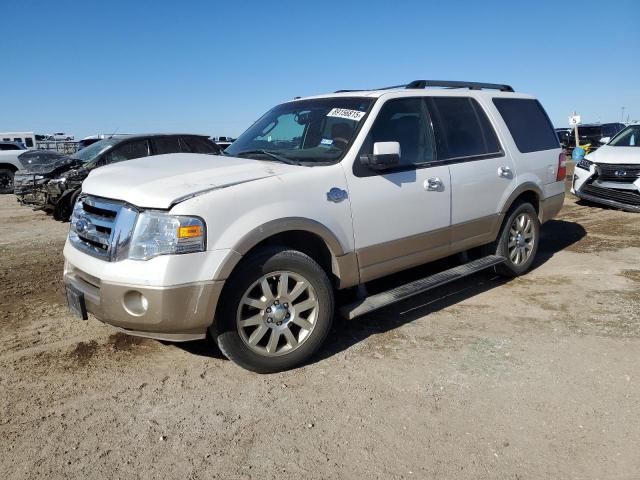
x=611, y=176
x=564, y=138
x=9, y=164
x=592, y=133
x=54, y=186
x=4, y=146
x=60, y=136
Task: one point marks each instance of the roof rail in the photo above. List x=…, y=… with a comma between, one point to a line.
x=371, y=89
x=458, y=84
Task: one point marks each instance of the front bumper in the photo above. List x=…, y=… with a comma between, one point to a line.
x=175, y=313
x=608, y=202
x=29, y=190
x=588, y=186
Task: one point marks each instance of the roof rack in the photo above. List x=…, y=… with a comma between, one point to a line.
x=370, y=89
x=444, y=84
x=458, y=84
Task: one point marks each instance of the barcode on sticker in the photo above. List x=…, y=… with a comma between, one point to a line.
x=346, y=113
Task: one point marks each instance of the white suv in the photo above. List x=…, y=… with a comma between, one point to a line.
x=611, y=175
x=320, y=194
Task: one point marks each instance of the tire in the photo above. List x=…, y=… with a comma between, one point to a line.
x=251, y=331
x=6, y=181
x=509, y=242
x=64, y=206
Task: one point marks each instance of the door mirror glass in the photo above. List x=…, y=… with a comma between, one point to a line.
x=605, y=140
x=385, y=155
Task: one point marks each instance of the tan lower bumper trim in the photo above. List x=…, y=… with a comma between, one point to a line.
x=178, y=313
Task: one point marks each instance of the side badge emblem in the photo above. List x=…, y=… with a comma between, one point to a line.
x=336, y=195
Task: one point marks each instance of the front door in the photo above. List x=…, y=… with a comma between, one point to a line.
x=401, y=217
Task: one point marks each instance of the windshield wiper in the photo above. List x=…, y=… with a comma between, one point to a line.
x=275, y=156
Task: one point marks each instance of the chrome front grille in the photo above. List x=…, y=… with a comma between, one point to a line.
x=102, y=227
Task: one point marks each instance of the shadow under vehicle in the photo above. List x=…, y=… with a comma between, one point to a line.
x=53, y=183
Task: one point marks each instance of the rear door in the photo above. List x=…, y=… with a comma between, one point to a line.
x=481, y=173
x=400, y=216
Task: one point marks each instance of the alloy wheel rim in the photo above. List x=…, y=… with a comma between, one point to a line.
x=277, y=313
x=6, y=181
x=521, y=239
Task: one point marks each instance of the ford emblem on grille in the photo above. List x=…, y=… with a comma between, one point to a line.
x=81, y=225
x=620, y=173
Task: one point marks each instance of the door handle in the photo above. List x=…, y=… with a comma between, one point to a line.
x=505, y=172
x=433, y=184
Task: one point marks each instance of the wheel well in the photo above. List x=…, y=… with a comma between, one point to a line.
x=528, y=196
x=8, y=166
x=305, y=242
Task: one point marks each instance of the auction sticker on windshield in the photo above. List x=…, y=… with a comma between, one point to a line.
x=346, y=113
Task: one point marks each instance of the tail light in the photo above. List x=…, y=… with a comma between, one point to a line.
x=562, y=168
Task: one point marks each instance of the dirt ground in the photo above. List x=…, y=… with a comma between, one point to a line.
x=538, y=377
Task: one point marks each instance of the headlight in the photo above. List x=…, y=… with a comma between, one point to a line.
x=584, y=164
x=157, y=233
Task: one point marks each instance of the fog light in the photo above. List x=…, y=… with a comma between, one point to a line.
x=135, y=303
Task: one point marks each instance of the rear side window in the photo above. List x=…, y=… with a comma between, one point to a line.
x=528, y=123
x=163, y=145
x=128, y=151
x=198, y=145
x=462, y=129
x=29, y=142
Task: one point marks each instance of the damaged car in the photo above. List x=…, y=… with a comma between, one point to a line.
x=54, y=184
x=611, y=175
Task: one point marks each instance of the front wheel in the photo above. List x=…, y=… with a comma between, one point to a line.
x=6, y=180
x=518, y=240
x=276, y=311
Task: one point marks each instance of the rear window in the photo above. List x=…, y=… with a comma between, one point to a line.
x=461, y=128
x=528, y=123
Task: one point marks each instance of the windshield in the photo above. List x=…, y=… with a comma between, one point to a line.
x=306, y=131
x=92, y=151
x=629, y=137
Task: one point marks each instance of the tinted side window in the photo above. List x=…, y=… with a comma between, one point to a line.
x=404, y=121
x=162, y=145
x=29, y=142
x=128, y=151
x=198, y=145
x=461, y=127
x=528, y=123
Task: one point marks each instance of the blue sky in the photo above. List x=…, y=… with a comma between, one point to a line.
x=214, y=67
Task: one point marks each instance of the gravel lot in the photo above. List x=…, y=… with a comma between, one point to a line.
x=538, y=377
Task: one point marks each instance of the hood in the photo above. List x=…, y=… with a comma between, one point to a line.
x=46, y=165
x=616, y=155
x=164, y=180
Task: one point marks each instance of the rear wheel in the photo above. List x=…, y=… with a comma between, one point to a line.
x=6, y=180
x=518, y=240
x=275, y=312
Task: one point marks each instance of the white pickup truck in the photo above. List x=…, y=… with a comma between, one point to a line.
x=321, y=194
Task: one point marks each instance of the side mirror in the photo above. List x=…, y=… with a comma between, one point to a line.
x=385, y=155
x=605, y=140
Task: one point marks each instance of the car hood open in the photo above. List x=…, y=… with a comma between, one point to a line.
x=164, y=180
x=616, y=155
